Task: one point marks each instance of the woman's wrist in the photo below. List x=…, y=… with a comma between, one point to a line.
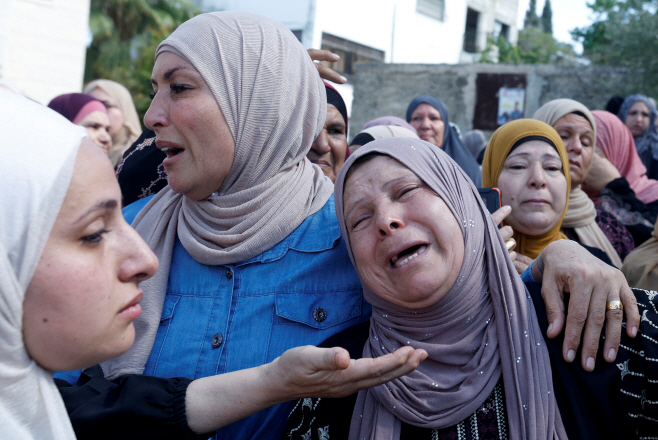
x=538, y=268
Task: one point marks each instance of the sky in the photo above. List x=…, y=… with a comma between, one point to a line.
x=567, y=15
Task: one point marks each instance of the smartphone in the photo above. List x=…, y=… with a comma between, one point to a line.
x=491, y=199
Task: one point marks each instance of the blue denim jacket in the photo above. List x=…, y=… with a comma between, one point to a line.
x=218, y=319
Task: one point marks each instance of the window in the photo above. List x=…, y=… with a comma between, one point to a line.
x=471, y=31
x=500, y=30
x=431, y=8
x=349, y=52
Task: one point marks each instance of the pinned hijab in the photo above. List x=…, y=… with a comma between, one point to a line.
x=647, y=142
x=616, y=141
x=581, y=215
x=503, y=141
x=275, y=106
x=76, y=106
x=452, y=145
x=39, y=149
x=381, y=132
x=484, y=327
x=131, y=128
x=390, y=120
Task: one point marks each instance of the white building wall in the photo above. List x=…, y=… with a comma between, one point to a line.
x=366, y=22
x=294, y=14
x=43, y=45
x=395, y=27
x=423, y=39
x=392, y=26
x=504, y=11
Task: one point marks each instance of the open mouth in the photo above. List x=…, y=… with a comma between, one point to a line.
x=172, y=151
x=407, y=255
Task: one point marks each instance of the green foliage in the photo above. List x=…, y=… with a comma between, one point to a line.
x=624, y=35
x=125, y=36
x=547, y=18
x=534, y=47
x=531, y=20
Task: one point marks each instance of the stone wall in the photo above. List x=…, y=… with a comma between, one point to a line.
x=386, y=89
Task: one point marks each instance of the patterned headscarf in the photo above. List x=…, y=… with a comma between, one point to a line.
x=484, y=327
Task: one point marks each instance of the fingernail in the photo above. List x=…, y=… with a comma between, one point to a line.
x=336, y=55
x=507, y=207
x=550, y=327
x=612, y=354
x=343, y=78
x=590, y=363
x=571, y=355
x=634, y=331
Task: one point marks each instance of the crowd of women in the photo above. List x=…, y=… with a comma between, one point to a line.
x=276, y=282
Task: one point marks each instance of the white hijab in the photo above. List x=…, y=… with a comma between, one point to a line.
x=38, y=149
x=275, y=106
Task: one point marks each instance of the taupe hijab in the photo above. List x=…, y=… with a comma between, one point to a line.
x=388, y=131
x=275, y=105
x=131, y=128
x=581, y=215
x=641, y=266
x=483, y=327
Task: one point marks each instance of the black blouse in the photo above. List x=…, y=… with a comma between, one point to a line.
x=129, y=408
x=616, y=401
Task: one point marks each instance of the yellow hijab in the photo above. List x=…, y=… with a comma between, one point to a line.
x=500, y=145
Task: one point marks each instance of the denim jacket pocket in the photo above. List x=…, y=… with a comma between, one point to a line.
x=168, y=308
x=319, y=310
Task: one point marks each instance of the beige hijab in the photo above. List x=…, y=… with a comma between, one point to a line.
x=131, y=127
x=581, y=215
x=641, y=266
x=275, y=105
x=39, y=148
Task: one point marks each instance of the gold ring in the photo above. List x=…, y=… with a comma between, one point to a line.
x=510, y=244
x=614, y=305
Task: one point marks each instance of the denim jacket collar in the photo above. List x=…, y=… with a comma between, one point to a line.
x=323, y=227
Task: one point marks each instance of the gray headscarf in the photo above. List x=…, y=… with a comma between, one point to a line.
x=649, y=139
x=483, y=327
x=390, y=120
x=275, y=106
x=475, y=141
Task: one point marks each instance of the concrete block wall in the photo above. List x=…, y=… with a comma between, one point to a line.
x=386, y=89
